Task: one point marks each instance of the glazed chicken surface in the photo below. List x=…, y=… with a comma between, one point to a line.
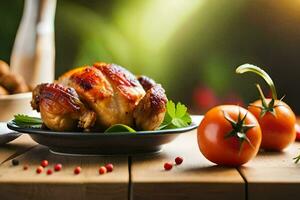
x=61, y=108
x=98, y=96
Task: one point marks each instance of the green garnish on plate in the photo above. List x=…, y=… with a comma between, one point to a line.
x=176, y=116
x=119, y=128
x=26, y=121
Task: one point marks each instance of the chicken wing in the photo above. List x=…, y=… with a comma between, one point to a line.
x=60, y=108
x=150, y=111
x=146, y=82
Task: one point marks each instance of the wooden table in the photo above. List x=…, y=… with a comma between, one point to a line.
x=268, y=176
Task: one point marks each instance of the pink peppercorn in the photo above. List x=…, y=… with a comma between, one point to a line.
x=178, y=160
x=102, y=170
x=44, y=163
x=49, y=172
x=77, y=170
x=109, y=167
x=39, y=169
x=58, y=167
x=168, y=166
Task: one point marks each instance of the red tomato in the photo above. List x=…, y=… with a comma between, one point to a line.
x=278, y=131
x=216, y=144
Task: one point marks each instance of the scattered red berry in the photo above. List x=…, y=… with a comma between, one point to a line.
x=168, y=166
x=102, y=170
x=39, y=169
x=25, y=167
x=15, y=162
x=77, y=170
x=49, y=172
x=178, y=160
x=297, y=127
x=109, y=167
x=44, y=163
x=57, y=167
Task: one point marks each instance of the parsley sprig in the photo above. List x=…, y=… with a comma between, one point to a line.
x=176, y=116
x=26, y=121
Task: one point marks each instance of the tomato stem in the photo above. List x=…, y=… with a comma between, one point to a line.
x=251, y=68
x=239, y=129
x=263, y=98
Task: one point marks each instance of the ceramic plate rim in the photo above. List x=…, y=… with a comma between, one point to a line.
x=39, y=131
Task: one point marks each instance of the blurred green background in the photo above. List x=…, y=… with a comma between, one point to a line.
x=191, y=47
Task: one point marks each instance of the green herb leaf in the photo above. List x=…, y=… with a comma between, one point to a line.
x=119, y=128
x=27, y=121
x=176, y=116
x=296, y=159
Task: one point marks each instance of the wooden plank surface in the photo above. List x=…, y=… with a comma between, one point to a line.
x=195, y=178
x=16, y=147
x=273, y=175
x=15, y=183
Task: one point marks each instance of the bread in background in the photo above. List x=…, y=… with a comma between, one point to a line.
x=11, y=83
x=3, y=91
x=4, y=68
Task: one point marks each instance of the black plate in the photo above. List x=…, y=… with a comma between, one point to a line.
x=7, y=135
x=103, y=143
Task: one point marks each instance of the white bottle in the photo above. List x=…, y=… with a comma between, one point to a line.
x=33, y=54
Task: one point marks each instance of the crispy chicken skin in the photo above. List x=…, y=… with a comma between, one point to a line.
x=150, y=112
x=114, y=94
x=146, y=82
x=110, y=90
x=60, y=107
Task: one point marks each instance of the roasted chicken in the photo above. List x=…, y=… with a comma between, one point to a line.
x=99, y=96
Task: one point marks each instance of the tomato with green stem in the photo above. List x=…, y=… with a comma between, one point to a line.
x=229, y=135
x=276, y=118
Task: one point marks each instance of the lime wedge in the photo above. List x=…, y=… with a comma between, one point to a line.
x=119, y=128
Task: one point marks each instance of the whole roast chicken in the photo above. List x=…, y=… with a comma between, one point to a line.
x=99, y=96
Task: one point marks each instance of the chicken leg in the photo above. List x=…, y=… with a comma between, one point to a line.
x=61, y=109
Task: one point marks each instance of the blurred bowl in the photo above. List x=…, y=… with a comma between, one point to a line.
x=11, y=105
